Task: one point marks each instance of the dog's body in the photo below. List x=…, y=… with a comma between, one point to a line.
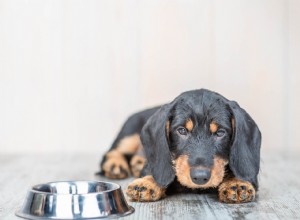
x=200, y=140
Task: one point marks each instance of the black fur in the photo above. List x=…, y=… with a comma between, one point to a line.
x=156, y=146
x=245, y=148
x=239, y=144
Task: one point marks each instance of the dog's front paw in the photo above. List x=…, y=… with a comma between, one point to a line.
x=137, y=164
x=115, y=166
x=145, y=190
x=236, y=191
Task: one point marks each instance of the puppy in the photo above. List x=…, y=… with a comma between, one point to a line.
x=200, y=140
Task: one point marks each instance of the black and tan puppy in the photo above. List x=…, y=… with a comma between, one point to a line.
x=200, y=140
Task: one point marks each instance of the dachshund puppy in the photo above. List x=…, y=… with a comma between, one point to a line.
x=200, y=140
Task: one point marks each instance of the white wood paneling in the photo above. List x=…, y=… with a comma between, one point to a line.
x=292, y=118
x=176, y=48
x=250, y=63
x=71, y=72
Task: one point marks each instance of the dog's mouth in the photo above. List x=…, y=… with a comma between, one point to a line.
x=199, y=177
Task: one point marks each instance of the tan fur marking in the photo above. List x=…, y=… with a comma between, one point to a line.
x=233, y=123
x=115, y=166
x=137, y=164
x=168, y=129
x=213, y=127
x=182, y=168
x=145, y=190
x=236, y=191
x=129, y=144
x=113, y=153
x=189, y=125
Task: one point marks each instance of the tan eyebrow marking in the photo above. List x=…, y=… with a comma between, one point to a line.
x=233, y=123
x=168, y=129
x=213, y=127
x=189, y=124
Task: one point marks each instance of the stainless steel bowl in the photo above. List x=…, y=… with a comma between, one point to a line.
x=74, y=200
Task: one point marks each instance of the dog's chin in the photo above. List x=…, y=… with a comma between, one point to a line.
x=182, y=169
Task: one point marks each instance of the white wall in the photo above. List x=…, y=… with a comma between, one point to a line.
x=72, y=71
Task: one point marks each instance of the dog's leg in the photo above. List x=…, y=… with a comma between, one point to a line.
x=137, y=163
x=114, y=164
x=145, y=190
x=236, y=191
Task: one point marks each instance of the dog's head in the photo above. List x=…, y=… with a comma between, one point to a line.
x=196, y=136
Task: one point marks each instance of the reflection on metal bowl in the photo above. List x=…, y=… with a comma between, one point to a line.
x=74, y=200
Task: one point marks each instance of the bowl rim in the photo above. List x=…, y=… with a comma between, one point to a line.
x=116, y=187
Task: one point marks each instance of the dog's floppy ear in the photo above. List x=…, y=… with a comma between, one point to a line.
x=154, y=137
x=244, y=157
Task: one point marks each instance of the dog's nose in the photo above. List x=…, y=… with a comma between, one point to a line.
x=200, y=176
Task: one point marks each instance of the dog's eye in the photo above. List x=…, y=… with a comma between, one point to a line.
x=182, y=131
x=220, y=132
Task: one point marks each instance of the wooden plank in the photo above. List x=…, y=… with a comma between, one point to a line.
x=279, y=195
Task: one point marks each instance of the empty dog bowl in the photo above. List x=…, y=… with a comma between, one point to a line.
x=74, y=200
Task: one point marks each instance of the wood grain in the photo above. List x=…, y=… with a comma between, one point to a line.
x=278, y=197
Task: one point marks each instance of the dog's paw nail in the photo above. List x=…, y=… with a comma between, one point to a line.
x=233, y=188
x=139, y=162
x=243, y=196
x=143, y=188
x=243, y=187
x=233, y=197
x=151, y=191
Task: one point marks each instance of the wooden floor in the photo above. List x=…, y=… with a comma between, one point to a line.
x=279, y=195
